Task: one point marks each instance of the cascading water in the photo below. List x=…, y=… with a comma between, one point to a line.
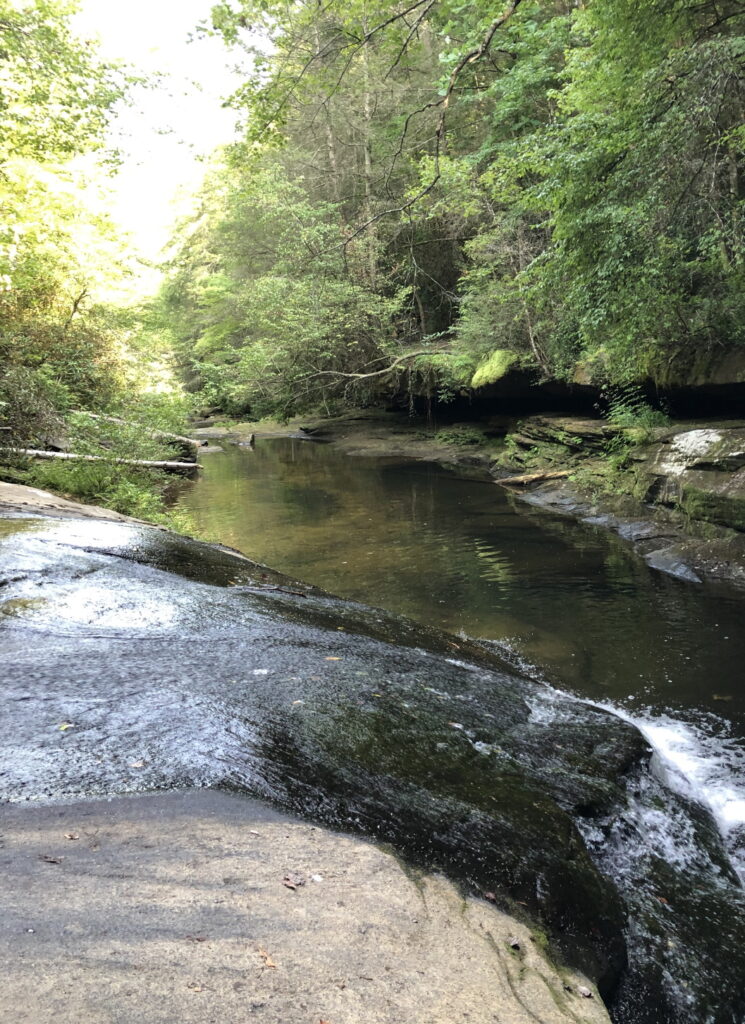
x=674, y=855
x=703, y=762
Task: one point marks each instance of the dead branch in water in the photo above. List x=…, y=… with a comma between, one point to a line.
x=532, y=478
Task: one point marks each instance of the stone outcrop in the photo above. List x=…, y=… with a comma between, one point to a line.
x=680, y=498
x=701, y=471
x=178, y=907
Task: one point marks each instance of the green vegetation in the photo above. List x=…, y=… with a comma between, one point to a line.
x=423, y=198
x=562, y=186
x=494, y=367
x=62, y=346
x=628, y=407
x=460, y=435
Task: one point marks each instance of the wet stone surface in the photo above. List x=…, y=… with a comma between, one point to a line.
x=134, y=660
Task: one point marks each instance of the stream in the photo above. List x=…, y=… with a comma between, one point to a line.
x=576, y=611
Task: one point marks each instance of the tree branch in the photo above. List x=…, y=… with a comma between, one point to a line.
x=374, y=373
x=444, y=102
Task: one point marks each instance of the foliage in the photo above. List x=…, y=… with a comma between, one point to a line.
x=627, y=406
x=57, y=96
x=494, y=367
x=460, y=435
x=57, y=339
x=30, y=407
x=132, y=493
x=422, y=196
x=63, y=348
x=575, y=186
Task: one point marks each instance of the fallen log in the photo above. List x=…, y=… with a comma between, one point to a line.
x=532, y=478
x=183, y=468
x=189, y=445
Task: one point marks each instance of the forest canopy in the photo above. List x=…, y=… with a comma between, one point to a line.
x=56, y=101
x=425, y=194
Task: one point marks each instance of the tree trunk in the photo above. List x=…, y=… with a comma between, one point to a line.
x=187, y=445
x=533, y=478
x=183, y=468
x=369, y=213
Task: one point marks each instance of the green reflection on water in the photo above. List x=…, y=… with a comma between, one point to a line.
x=416, y=539
x=9, y=527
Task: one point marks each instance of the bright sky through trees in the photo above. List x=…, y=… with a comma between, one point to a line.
x=168, y=128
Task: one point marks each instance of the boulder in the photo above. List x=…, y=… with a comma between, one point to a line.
x=703, y=472
x=178, y=907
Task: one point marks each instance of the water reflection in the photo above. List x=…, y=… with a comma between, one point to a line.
x=416, y=539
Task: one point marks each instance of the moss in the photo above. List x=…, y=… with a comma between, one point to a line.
x=20, y=606
x=540, y=938
x=493, y=368
x=460, y=435
x=713, y=508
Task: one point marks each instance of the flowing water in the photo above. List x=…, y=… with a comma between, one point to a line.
x=572, y=603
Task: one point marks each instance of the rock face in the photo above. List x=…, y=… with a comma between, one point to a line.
x=238, y=678
x=699, y=472
x=137, y=660
x=702, y=471
x=172, y=907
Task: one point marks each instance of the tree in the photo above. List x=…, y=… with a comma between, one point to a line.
x=550, y=184
x=56, y=98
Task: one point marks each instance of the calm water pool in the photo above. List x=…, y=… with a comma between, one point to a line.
x=419, y=539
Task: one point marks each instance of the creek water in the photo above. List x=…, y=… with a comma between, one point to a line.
x=572, y=604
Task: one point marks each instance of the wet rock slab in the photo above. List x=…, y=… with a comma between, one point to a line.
x=173, y=907
x=120, y=676
x=137, y=660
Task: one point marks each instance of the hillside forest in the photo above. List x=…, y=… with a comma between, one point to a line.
x=422, y=197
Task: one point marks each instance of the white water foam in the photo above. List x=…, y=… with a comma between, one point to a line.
x=702, y=763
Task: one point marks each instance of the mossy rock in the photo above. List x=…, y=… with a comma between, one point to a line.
x=713, y=507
